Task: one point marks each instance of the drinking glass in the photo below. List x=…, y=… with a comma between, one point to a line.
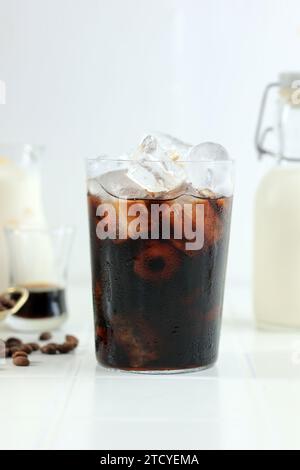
x=158, y=266
x=39, y=263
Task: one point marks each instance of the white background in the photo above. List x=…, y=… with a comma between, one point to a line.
x=85, y=77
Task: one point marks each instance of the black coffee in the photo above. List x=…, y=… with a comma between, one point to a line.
x=157, y=305
x=45, y=301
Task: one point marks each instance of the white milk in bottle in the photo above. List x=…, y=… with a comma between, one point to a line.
x=20, y=196
x=277, y=214
x=277, y=249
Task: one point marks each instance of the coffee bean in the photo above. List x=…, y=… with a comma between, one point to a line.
x=14, y=349
x=6, y=303
x=72, y=340
x=45, y=336
x=34, y=346
x=50, y=348
x=21, y=361
x=26, y=348
x=20, y=353
x=64, y=348
x=7, y=352
x=13, y=342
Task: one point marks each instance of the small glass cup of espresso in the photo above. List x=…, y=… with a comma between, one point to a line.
x=38, y=262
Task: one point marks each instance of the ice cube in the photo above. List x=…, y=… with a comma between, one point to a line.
x=208, y=151
x=149, y=144
x=212, y=173
x=116, y=183
x=94, y=186
x=172, y=145
x=156, y=262
x=153, y=169
x=156, y=176
x=136, y=338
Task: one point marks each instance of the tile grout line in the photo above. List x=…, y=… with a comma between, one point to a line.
x=72, y=380
x=250, y=365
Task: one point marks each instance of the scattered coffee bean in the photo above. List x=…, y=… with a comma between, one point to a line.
x=34, y=346
x=50, y=348
x=13, y=342
x=72, y=340
x=7, y=352
x=6, y=303
x=14, y=349
x=2, y=307
x=19, y=353
x=45, y=336
x=26, y=348
x=21, y=361
x=64, y=348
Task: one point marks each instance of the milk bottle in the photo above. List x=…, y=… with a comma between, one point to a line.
x=277, y=212
x=20, y=195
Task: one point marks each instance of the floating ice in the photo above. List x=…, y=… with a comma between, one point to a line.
x=208, y=151
x=174, y=147
x=116, y=183
x=212, y=172
x=156, y=169
x=94, y=186
x=164, y=167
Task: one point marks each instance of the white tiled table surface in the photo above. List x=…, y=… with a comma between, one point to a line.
x=250, y=399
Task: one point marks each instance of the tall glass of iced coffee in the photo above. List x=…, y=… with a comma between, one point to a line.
x=159, y=231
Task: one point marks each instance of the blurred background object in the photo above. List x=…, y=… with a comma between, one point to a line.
x=277, y=208
x=38, y=262
x=20, y=195
x=89, y=77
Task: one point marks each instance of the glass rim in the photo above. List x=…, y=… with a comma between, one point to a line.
x=104, y=158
